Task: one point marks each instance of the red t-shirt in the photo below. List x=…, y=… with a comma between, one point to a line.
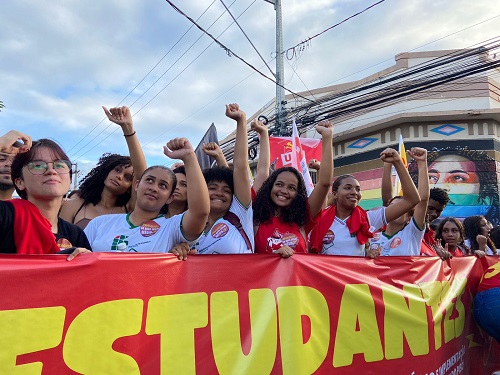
x=274, y=234
x=428, y=243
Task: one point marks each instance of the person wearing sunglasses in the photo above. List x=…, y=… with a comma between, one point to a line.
x=41, y=173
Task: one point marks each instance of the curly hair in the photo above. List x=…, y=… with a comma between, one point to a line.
x=439, y=232
x=472, y=226
x=20, y=160
x=439, y=195
x=485, y=170
x=92, y=184
x=264, y=208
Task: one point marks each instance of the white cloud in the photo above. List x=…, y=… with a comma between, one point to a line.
x=62, y=60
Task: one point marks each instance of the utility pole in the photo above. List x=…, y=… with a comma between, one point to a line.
x=279, y=76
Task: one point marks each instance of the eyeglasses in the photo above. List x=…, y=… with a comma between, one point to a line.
x=38, y=167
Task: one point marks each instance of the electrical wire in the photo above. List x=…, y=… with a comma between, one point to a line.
x=455, y=70
x=142, y=80
x=230, y=53
x=328, y=29
x=95, y=144
x=249, y=41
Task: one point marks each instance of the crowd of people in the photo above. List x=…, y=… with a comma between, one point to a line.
x=125, y=206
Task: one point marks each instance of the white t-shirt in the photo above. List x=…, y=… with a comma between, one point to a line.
x=154, y=236
x=338, y=240
x=406, y=242
x=224, y=238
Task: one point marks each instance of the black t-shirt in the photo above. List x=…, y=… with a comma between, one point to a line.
x=7, y=228
x=68, y=235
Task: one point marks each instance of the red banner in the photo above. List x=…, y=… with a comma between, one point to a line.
x=109, y=313
x=281, y=150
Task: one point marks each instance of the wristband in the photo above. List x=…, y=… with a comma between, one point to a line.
x=129, y=135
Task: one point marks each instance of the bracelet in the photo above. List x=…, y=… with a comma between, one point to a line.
x=129, y=135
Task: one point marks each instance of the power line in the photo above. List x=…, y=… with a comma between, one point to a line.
x=450, y=72
x=168, y=84
x=414, y=49
x=230, y=53
x=331, y=27
x=137, y=85
x=246, y=36
x=157, y=80
x=132, y=90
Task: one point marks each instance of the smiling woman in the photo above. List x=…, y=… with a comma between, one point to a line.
x=283, y=211
x=146, y=229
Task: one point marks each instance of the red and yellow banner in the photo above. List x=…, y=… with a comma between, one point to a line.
x=241, y=314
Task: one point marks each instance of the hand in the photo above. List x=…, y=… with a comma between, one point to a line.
x=120, y=116
x=389, y=155
x=441, y=251
x=481, y=241
x=212, y=149
x=325, y=128
x=233, y=111
x=284, y=251
x=314, y=164
x=7, y=142
x=259, y=127
x=78, y=250
x=182, y=250
x=178, y=148
x=480, y=253
x=418, y=154
x=374, y=251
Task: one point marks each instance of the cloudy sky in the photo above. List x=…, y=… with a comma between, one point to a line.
x=62, y=59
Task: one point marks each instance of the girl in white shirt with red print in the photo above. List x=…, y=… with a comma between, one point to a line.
x=344, y=228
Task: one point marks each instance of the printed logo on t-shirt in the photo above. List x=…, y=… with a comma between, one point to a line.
x=275, y=241
x=395, y=242
x=329, y=237
x=376, y=236
x=117, y=240
x=290, y=239
x=219, y=230
x=149, y=228
x=63, y=243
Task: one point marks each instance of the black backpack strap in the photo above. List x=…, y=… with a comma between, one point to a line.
x=235, y=220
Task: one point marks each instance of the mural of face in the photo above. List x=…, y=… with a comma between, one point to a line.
x=470, y=177
x=455, y=174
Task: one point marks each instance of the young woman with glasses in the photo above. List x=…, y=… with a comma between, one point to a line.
x=41, y=173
